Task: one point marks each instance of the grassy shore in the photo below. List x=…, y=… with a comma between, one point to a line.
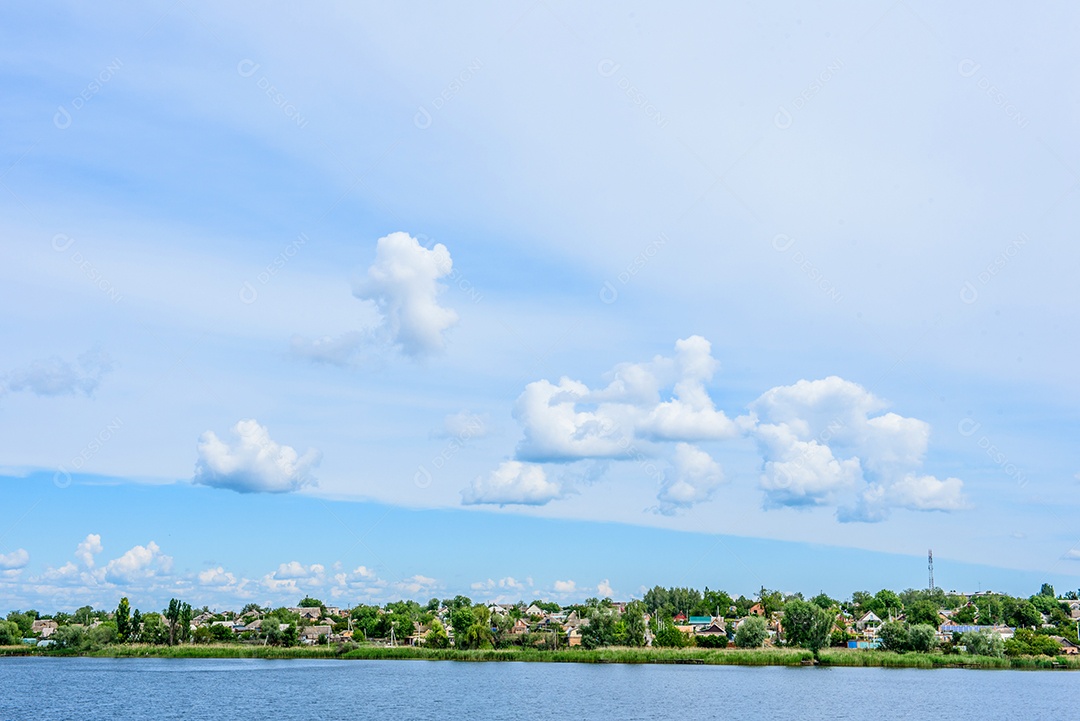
x=725, y=657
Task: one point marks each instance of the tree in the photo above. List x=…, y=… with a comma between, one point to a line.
x=822, y=600
x=309, y=602
x=668, y=636
x=178, y=615
x=983, y=642
x=922, y=638
x=894, y=636
x=123, y=621
x=10, y=634
x=25, y=621
x=923, y=612
x=136, y=626
x=437, y=636
x=891, y=605
x=1027, y=615
x=965, y=615
x=751, y=633
x=83, y=615
x=806, y=624
x=1028, y=643
x=634, y=624
x=1047, y=590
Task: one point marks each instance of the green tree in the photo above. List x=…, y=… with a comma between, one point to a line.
x=806, y=624
x=965, y=615
x=437, y=636
x=600, y=630
x=891, y=605
x=25, y=621
x=309, y=602
x=751, y=633
x=136, y=634
x=668, y=636
x=923, y=612
x=634, y=621
x=178, y=615
x=894, y=636
x=10, y=634
x=983, y=642
x=123, y=621
x=1026, y=615
x=83, y=615
x=922, y=637
x=822, y=600
x=1047, y=590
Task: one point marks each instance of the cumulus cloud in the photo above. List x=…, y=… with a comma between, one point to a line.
x=512, y=482
x=15, y=560
x=216, y=577
x=604, y=590
x=569, y=421
x=565, y=586
x=1073, y=554
x=295, y=577
x=828, y=442
x=253, y=462
x=694, y=478
x=403, y=282
x=139, y=563
x=88, y=548
x=57, y=377
x=417, y=584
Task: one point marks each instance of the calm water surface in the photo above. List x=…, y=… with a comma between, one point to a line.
x=89, y=688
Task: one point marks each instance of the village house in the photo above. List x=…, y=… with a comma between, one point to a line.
x=310, y=634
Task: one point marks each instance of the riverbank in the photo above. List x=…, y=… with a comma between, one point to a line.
x=723, y=657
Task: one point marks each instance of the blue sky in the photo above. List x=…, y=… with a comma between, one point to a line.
x=535, y=300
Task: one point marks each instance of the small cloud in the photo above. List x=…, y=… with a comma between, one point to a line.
x=57, y=377
x=15, y=560
x=694, y=479
x=512, y=482
x=508, y=583
x=218, y=577
x=604, y=590
x=403, y=282
x=253, y=463
x=1073, y=554
x=416, y=584
x=565, y=586
x=88, y=548
x=139, y=563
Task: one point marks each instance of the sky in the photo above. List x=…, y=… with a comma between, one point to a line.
x=535, y=300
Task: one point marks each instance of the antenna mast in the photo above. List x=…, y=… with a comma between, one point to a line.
x=930, y=563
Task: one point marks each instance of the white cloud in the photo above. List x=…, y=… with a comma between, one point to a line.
x=88, y=548
x=339, y=350
x=253, y=462
x=508, y=583
x=1073, y=554
x=403, y=282
x=417, y=584
x=604, y=590
x=512, y=482
x=827, y=442
x=694, y=478
x=55, y=376
x=139, y=563
x=295, y=577
x=569, y=421
x=216, y=577
x=565, y=586
x=15, y=560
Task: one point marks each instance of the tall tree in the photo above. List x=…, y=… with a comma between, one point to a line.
x=123, y=621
